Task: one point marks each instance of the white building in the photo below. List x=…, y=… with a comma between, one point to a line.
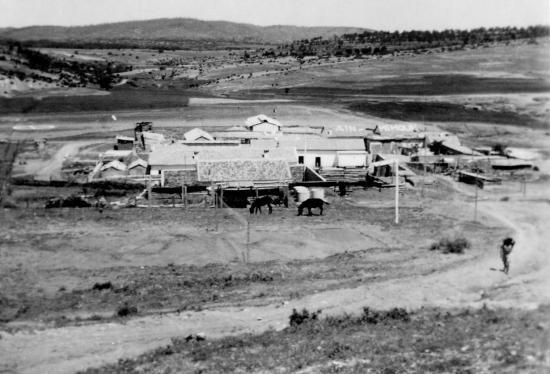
x=318, y=153
x=263, y=123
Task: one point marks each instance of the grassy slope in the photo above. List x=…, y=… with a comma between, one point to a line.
x=120, y=98
x=443, y=112
x=174, y=29
x=429, y=341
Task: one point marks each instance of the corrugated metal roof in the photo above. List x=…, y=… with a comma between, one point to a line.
x=243, y=170
x=183, y=155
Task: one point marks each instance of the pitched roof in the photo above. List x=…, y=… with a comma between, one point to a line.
x=153, y=136
x=324, y=144
x=259, y=119
x=115, y=164
x=242, y=134
x=173, y=154
x=197, y=133
x=177, y=154
x=243, y=170
x=124, y=138
x=113, y=154
x=138, y=162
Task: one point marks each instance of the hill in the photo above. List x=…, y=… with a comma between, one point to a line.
x=174, y=29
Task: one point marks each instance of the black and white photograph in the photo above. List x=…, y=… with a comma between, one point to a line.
x=274, y=186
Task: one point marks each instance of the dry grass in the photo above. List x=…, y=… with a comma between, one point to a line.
x=428, y=341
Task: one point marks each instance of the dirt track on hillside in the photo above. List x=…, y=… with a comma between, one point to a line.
x=67, y=349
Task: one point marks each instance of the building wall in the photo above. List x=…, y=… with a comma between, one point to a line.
x=155, y=169
x=328, y=158
x=266, y=127
x=137, y=170
x=175, y=178
x=358, y=159
x=113, y=173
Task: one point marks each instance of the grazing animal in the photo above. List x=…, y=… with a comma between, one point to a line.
x=256, y=206
x=312, y=203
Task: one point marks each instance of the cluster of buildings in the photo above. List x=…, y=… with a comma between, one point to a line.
x=264, y=154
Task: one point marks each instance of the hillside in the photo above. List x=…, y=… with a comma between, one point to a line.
x=174, y=29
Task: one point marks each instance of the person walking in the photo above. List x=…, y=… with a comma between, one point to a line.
x=505, y=250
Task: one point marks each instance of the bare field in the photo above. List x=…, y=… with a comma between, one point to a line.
x=162, y=259
x=66, y=273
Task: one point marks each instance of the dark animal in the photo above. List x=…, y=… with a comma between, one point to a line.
x=257, y=204
x=69, y=202
x=311, y=203
x=102, y=286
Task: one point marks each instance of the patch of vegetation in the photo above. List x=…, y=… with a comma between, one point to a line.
x=384, y=42
x=298, y=318
x=120, y=98
x=126, y=310
x=457, y=341
x=450, y=112
x=447, y=245
x=100, y=74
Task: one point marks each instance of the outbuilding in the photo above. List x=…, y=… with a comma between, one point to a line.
x=263, y=123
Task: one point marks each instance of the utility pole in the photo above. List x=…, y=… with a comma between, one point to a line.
x=475, y=203
x=396, y=191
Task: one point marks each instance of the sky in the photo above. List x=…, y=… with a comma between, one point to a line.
x=374, y=14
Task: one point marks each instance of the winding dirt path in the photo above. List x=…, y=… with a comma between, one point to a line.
x=68, y=349
x=43, y=170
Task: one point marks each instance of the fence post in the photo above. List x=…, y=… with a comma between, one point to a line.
x=149, y=195
x=184, y=197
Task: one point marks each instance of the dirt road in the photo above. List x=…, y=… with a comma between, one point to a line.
x=68, y=349
x=51, y=168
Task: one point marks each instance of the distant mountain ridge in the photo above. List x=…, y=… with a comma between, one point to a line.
x=175, y=29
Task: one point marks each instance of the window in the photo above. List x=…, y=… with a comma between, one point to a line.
x=301, y=160
x=317, y=162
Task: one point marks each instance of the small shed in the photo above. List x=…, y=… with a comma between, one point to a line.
x=113, y=169
x=152, y=139
x=137, y=167
x=124, y=142
x=197, y=134
x=263, y=123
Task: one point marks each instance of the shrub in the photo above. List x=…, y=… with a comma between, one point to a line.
x=102, y=286
x=126, y=310
x=374, y=317
x=446, y=245
x=298, y=318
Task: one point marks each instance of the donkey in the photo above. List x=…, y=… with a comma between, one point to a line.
x=312, y=203
x=256, y=206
